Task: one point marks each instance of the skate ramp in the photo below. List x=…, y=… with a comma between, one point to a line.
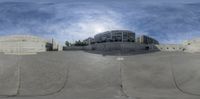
x=9, y=75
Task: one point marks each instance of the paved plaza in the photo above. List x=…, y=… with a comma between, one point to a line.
x=97, y=75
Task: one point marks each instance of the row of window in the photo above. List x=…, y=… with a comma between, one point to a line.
x=116, y=36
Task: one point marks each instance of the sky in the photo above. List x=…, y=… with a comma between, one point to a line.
x=169, y=21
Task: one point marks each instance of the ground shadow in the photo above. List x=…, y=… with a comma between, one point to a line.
x=120, y=52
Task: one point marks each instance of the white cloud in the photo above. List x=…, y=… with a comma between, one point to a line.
x=76, y=20
x=89, y=22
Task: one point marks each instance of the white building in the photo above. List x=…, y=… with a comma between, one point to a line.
x=22, y=44
x=192, y=45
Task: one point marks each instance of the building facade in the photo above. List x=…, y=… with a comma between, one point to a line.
x=89, y=41
x=24, y=44
x=115, y=36
x=146, y=40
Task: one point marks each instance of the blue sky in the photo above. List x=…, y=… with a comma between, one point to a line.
x=169, y=21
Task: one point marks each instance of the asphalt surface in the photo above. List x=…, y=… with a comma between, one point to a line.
x=96, y=75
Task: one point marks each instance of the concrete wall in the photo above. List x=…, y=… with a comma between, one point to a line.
x=74, y=48
x=89, y=47
x=22, y=44
x=129, y=46
x=189, y=46
x=170, y=47
x=192, y=45
x=108, y=46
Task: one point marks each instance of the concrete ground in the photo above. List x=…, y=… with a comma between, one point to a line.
x=97, y=75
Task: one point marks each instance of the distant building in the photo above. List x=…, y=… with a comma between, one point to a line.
x=89, y=41
x=115, y=36
x=146, y=40
x=192, y=45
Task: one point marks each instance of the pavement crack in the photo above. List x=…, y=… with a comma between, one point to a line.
x=122, y=89
x=19, y=76
x=56, y=92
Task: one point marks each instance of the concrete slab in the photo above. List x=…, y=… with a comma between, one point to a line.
x=42, y=74
x=186, y=68
x=152, y=75
x=90, y=76
x=148, y=75
x=9, y=75
x=82, y=75
x=93, y=76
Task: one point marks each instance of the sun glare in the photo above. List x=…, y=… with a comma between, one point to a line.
x=98, y=28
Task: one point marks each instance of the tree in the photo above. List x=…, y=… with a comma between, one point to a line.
x=67, y=43
x=80, y=43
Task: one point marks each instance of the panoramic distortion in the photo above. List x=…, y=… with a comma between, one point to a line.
x=94, y=49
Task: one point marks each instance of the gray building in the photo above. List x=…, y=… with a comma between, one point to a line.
x=115, y=36
x=89, y=41
x=146, y=40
